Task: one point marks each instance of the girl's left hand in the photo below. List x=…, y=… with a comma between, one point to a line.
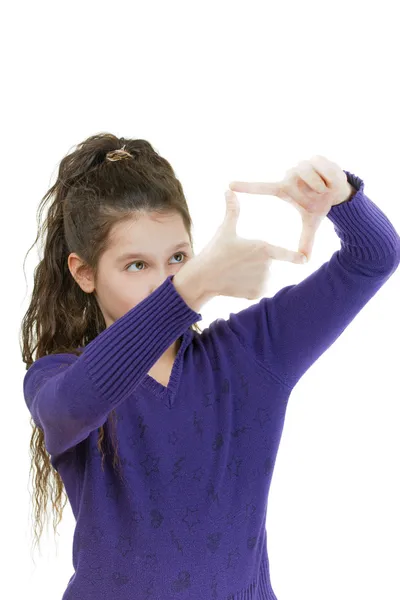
x=312, y=187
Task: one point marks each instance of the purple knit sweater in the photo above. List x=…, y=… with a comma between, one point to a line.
x=188, y=519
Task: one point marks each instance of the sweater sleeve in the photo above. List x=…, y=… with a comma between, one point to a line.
x=288, y=332
x=69, y=396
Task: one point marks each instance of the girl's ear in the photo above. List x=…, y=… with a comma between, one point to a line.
x=81, y=273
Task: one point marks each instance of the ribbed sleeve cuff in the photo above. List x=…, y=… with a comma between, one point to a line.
x=365, y=231
x=119, y=357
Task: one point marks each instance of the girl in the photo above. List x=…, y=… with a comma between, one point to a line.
x=163, y=435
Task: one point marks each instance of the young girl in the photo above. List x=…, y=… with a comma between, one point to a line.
x=165, y=436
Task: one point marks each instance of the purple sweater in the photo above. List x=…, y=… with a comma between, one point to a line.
x=189, y=520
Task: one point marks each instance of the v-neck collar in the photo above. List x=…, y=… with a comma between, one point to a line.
x=167, y=393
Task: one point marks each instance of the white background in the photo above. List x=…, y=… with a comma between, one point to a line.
x=225, y=91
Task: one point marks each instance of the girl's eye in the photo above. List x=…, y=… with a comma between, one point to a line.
x=141, y=261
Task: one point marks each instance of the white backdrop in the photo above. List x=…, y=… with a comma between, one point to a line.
x=225, y=91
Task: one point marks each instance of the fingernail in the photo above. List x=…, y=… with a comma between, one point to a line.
x=304, y=259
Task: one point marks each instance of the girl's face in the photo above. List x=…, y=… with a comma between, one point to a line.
x=143, y=252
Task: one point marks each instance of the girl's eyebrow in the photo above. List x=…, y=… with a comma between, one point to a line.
x=129, y=255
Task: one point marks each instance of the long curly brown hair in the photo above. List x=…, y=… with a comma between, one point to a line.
x=91, y=195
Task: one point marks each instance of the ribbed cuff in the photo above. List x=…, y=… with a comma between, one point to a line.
x=119, y=357
x=366, y=232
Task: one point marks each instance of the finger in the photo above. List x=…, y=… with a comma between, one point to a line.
x=328, y=170
x=232, y=211
x=279, y=253
x=310, y=226
x=256, y=187
x=309, y=175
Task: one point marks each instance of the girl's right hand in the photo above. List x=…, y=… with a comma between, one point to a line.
x=234, y=266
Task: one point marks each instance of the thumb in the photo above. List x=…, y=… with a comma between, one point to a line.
x=232, y=211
